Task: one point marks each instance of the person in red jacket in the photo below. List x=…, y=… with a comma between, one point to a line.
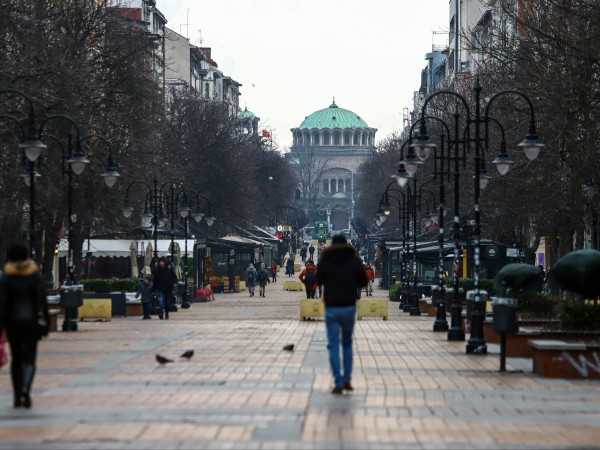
x=309, y=278
x=371, y=277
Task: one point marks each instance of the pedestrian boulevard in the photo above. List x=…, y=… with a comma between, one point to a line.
x=101, y=388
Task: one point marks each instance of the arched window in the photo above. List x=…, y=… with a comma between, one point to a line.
x=297, y=194
x=364, y=139
x=336, y=138
x=306, y=139
x=333, y=187
x=325, y=138
x=316, y=139
x=325, y=185
x=348, y=185
x=340, y=185
x=346, y=138
x=355, y=141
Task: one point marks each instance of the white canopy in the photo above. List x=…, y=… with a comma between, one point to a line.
x=122, y=247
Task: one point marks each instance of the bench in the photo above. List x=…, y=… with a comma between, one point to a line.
x=564, y=359
x=373, y=307
x=134, y=308
x=53, y=319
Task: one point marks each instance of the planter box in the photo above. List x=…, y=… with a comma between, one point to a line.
x=376, y=307
x=293, y=286
x=53, y=324
x=118, y=301
x=563, y=359
x=95, y=308
x=311, y=307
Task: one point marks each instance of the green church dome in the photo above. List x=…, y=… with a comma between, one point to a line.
x=245, y=114
x=333, y=117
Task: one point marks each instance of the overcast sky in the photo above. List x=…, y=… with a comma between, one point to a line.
x=293, y=56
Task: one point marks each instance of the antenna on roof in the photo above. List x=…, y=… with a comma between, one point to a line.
x=200, y=40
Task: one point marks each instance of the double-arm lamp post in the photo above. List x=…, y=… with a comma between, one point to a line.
x=32, y=146
x=473, y=134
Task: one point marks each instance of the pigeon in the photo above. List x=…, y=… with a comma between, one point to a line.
x=162, y=360
x=187, y=354
x=289, y=348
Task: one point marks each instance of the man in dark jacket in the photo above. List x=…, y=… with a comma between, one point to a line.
x=164, y=279
x=341, y=274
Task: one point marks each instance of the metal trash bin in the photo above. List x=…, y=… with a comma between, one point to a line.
x=505, y=315
x=71, y=298
x=470, y=298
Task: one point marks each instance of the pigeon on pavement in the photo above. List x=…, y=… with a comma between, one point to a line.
x=162, y=360
x=289, y=348
x=187, y=354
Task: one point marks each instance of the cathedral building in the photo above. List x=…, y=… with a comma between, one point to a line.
x=328, y=147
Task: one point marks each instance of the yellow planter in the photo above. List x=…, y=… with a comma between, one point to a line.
x=311, y=307
x=293, y=286
x=375, y=307
x=95, y=308
x=297, y=268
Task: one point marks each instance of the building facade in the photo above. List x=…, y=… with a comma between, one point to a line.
x=328, y=148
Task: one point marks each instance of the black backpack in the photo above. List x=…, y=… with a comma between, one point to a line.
x=309, y=278
x=262, y=275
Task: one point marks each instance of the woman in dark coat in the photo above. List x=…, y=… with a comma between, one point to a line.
x=24, y=316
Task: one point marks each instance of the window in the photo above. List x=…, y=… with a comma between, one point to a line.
x=346, y=138
x=325, y=138
x=333, y=190
x=325, y=185
x=348, y=185
x=315, y=138
x=364, y=139
x=297, y=194
x=355, y=141
x=336, y=138
x=340, y=185
x=306, y=139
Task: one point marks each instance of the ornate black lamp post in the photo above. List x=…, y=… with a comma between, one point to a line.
x=473, y=135
x=73, y=163
x=32, y=146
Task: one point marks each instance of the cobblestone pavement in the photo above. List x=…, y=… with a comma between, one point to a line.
x=100, y=387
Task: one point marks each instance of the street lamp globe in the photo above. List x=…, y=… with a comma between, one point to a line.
x=110, y=176
x=146, y=214
x=503, y=163
x=78, y=162
x=401, y=176
x=184, y=209
x=589, y=189
x=127, y=208
x=422, y=146
x=26, y=175
x=210, y=220
x=531, y=145
x=33, y=147
x=198, y=215
x=484, y=178
x=411, y=163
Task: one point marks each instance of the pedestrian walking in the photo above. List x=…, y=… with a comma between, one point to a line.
x=274, y=271
x=145, y=291
x=340, y=273
x=162, y=283
x=371, y=277
x=24, y=316
x=251, y=279
x=309, y=279
x=289, y=268
x=311, y=252
x=303, y=252
x=263, y=280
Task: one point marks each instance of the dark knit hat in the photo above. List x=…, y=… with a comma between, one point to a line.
x=17, y=252
x=339, y=239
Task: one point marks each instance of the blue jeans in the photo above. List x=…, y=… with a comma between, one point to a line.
x=340, y=320
x=161, y=301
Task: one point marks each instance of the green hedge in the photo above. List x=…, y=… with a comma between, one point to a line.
x=468, y=284
x=536, y=303
x=579, y=316
x=393, y=289
x=105, y=285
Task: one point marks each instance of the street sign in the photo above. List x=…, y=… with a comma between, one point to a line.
x=512, y=252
